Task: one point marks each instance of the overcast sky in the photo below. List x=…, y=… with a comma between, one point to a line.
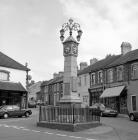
x=29, y=30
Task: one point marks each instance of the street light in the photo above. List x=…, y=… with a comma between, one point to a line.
x=70, y=26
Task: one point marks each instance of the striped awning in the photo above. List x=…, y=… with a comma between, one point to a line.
x=112, y=92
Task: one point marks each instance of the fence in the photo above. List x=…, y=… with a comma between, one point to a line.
x=68, y=115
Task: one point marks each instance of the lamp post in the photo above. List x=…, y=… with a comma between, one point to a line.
x=70, y=26
x=70, y=53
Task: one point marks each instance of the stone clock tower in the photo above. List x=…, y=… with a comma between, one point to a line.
x=70, y=52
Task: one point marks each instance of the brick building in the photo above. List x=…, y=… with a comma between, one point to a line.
x=115, y=82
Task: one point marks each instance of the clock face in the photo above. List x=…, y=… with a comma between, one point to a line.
x=67, y=50
x=75, y=49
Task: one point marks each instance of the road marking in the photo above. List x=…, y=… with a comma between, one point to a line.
x=61, y=135
x=75, y=137
x=90, y=139
x=36, y=131
x=25, y=129
x=49, y=133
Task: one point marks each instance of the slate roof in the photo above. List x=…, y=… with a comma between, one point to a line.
x=11, y=86
x=99, y=64
x=6, y=61
x=128, y=57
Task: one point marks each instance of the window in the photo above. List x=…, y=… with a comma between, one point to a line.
x=100, y=77
x=57, y=86
x=85, y=99
x=79, y=81
x=133, y=99
x=85, y=80
x=4, y=75
x=46, y=89
x=134, y=71
x=93, y=79
x=120, y=73
x=110, y=76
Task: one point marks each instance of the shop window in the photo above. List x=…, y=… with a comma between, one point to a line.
x=134, y=71
x=110, y=76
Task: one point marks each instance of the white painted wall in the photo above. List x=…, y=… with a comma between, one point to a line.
x=16, y=75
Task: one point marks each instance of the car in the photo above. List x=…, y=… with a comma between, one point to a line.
x=109, y=112
x=133, y=116
x=105, y=111
x=13, y=110
x=32, y=104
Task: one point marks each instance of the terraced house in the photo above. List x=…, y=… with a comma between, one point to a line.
x=53, y=89
x=115, y=83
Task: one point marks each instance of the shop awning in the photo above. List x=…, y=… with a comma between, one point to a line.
x=11, y=86
x=112, y=92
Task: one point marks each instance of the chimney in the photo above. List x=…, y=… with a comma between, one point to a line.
x=125, y=47
x=55, y=75
x=83, y=65
x=92, y=61
x=60, y=73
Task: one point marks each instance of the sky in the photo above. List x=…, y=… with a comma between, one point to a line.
x=29, y=31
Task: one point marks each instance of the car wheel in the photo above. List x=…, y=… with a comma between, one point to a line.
x=132, y=118
x=26, y=114
x=5, y=116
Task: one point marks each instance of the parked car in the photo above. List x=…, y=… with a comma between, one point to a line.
x=13, y=110
x=105, y=111
x=133, y=115
x=32, y=104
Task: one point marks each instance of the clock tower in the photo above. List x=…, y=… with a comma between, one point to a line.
x=70, y=52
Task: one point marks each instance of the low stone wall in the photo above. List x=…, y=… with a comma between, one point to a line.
x=68, y=126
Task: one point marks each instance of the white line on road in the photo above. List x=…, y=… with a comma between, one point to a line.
x=75, y=137
x=49, y=133
x=36, y=131
x=61, y=135
x=25, y=129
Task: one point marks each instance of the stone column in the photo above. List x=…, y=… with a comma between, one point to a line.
x=70, y=52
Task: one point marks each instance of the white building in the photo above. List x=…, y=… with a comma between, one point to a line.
x=12, y=81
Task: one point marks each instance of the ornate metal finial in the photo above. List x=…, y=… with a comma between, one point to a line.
x=70, y=26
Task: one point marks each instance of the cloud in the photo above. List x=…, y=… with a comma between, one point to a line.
x=105, y=24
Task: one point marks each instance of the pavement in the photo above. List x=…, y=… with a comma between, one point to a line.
x=103, y=128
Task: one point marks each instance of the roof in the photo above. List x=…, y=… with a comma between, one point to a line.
x=8, y=62
x=128, y=57
x=11, y=86
x=99, y=64
x=70, y=39
x=112, y=92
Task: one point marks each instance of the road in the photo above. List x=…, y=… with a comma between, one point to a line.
x=26, y=129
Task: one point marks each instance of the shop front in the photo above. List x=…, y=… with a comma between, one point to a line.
x=12, y=94
x=94, y=95
x=116, y=98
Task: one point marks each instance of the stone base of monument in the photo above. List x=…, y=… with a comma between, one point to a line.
x=69, y=127
x=68, y=117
